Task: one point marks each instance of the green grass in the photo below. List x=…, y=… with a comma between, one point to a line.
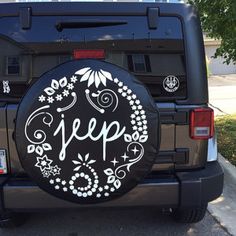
x=226, y=131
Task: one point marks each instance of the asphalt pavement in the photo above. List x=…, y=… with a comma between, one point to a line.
x=106, y=222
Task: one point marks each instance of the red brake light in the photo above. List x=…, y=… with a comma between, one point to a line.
x=202, y=123
x=88, y=54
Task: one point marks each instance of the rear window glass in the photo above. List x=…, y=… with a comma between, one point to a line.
x=151, y=55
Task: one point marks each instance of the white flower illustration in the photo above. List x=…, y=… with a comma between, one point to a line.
x=82, y=161
x=46, y=174
x=55, y=85
x=42, y=98
x=65, y=93
x=50, y=99
x=55, y=170
x=43, y=163
x=73, y=79
x=96, y=77
x=39, y=149
x=70, y=86
x=59, y=97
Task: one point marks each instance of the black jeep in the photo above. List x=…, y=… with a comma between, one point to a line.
x=104, y=104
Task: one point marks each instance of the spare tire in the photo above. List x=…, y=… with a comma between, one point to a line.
x=87, y=131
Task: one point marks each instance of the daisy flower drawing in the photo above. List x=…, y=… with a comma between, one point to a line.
x=94, y=77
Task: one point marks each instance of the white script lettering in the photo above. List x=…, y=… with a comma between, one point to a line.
x=104, y=134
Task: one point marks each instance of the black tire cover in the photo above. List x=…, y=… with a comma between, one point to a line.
x=87, y=131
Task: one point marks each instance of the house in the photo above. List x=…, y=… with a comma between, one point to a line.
x=216, y=65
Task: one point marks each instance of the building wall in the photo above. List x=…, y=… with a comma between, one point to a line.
x=9, y=49
x=216, y=65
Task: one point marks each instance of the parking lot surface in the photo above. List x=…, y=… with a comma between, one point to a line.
x=134, y=221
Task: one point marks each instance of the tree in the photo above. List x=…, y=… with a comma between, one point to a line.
x=218, y=19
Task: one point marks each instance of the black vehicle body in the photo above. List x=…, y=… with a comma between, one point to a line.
x=184, y=175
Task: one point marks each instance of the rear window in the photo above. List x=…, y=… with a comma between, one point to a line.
x=151, y=55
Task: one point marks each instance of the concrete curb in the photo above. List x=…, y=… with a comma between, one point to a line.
x=224, y=208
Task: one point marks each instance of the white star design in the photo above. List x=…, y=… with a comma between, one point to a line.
x=73, y=79
x=135, y=150
x=125, y=156
x=46, y=174
x=50, y=99
x=70, y=86
x=114, y=161
x=55, y=170
x=58, y=97
x=42, y=98
x=43, y=163
x=65, y=93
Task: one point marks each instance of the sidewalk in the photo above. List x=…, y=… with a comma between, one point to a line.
x=224, y=208
x=222, y=94
x=222, y=98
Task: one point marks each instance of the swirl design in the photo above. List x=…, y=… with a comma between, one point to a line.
x=39, y=135
x=120, y=172
x=106, y=98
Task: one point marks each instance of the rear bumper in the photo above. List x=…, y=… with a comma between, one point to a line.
x=185, y=189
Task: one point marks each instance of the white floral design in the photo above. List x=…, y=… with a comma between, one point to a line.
x=100, y=99
x=46, y=174
x=42, y=98
x=59, y=97
x=55, y=170
x=70, y=86
x=55, y=85
x=111, y=178
x=44, y=163
x=95, y=77
x=73, y=79
x=38, y=148
x=50, y=99
x=65, y=93
x=82, y=160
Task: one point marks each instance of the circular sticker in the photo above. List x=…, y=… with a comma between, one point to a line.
x=86, y=135
x=171, y=83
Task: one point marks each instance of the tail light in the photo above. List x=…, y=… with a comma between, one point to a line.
x=202, y=123
x=89, y=54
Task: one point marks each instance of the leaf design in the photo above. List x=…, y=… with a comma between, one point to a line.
x=127, y=138
x=82, y=71
x=76, y=162
x=54, y=84
x=91, y=79
x=63, y=82
x=91, y=162
x=143, y=138
x=86, y=157
x=30, y=148
x=49, y=91
x=107, y=75
x=102, y=78
x=111, y=179
x=39, y=150
x=80, y=157
x=108, y=171
x=77, y=168
x=47, y=147
x=117, y=183
x=135, y=135
x=97, y=80
x=85, y=76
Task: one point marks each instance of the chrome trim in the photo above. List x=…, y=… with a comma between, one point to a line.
x=212, y=149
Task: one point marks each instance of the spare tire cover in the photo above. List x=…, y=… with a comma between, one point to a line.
x=87, y=131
